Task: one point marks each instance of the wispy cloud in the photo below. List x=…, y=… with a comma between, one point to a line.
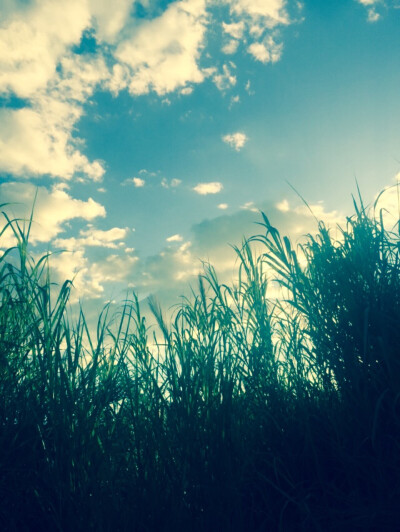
x=91, y=237
x=225, y=79
x=372, y=8
x=53, y=208
x=236, y=140
x=267, y=51
x=174, y=238
x=208, y=188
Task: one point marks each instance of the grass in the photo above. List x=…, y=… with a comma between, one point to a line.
x=248, y=414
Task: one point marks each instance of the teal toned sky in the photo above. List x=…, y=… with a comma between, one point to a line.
x=155, y=130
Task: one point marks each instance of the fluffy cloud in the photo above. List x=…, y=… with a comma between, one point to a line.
x=372, y=8
x=52, y=209
x=272, y=11
x=236, y=140
x=230, y=47
x=267, y=51
x=92, y=237
x=90, y=277
x=208, y=188
x=223, y=206
x=34, y=39
x=175, y=238
x=225, y=79
x=163, y=53
x=38, y=140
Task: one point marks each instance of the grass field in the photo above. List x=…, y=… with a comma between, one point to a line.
x=243, y=414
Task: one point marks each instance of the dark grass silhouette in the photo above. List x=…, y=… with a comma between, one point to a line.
x=248, y=414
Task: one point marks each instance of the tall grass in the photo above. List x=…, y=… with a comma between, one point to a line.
x=243, y=413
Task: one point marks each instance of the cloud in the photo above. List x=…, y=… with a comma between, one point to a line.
x=52, y=209
x=174, y=238
x=223, y=206
x=208, y=188
x=93, y=237
x=34, y=39
x=249, y=206
x=225, y=80
x=372, y=5
x=173, y=183
x=271, y=12
x=230, y=47
x=163, y=53
x=283, y=206
x=235, y=29
x=267, y=51
x=91, y=277
x=38, y=141
x=236, y=140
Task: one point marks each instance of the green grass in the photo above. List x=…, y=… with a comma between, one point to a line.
x=248, y=414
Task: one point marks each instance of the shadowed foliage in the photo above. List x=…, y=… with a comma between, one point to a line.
x=243, y=412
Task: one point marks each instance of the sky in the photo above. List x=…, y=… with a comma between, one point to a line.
x=154, y=131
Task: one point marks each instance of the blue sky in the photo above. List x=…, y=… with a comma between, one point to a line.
x=154, y=131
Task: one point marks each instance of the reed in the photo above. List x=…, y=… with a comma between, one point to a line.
x=242, y=413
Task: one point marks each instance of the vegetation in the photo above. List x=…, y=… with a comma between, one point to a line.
x=243, y=414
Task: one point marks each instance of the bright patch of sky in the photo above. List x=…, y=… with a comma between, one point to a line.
x=154, y=131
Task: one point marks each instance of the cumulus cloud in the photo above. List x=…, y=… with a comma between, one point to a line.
x=225, y=79
x=236, y=140
x=53, y=208
x=90, y=277
x=172, y=183
x=267, y=51
x=34, y=39
x=372, y=8
x=163, y=53
x=235, y=29
x=223, y=206
x=38, y=140
x=110, y=238
x=273, y=11
x=230, y=47
x=208, y=188
x=174, y=238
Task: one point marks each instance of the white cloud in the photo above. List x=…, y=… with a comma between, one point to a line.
x=36, y=141
x=173, y=183
x=174, y=238
x=230, y=47
x=163, y=53
x=52, y=209
x=138, y=182
x=110, y=17
x=236, y=140
x=235, y=29
x=208, y=188
x=372, y=5
x=267, y=51
x=93, y=237
x=249, y=206
x=273, y=11
x=89, y=277
x=186, y=91
x=34, y=39
x=223, y=206
x=283, y=206
x=225, y=80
